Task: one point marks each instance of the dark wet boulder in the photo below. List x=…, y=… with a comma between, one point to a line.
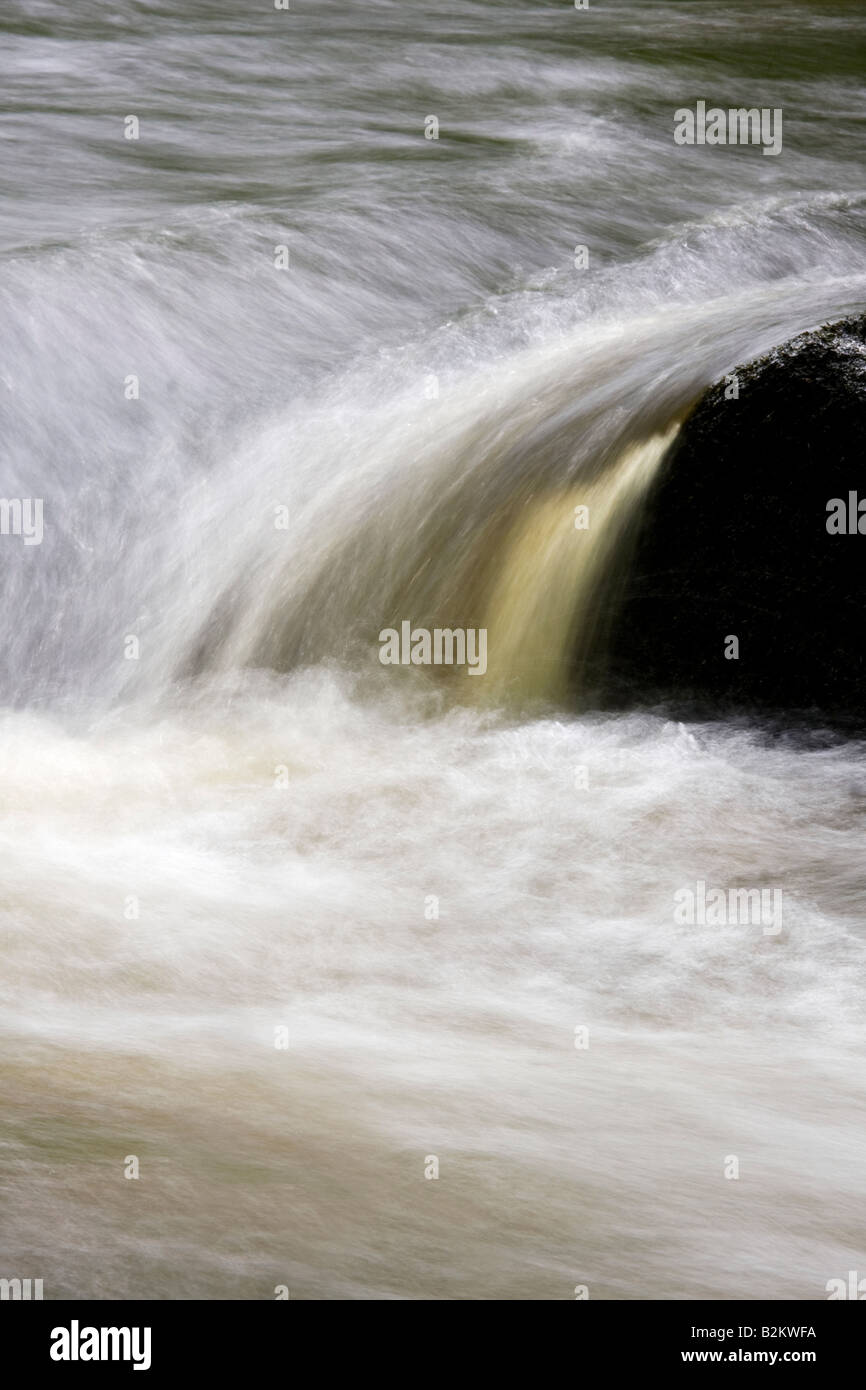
x=753, y=531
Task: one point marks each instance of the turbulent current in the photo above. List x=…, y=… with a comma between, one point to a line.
x=293, y=929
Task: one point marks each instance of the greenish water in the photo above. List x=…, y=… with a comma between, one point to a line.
x=240, y=829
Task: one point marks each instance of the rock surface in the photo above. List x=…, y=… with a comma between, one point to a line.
x=734, y=542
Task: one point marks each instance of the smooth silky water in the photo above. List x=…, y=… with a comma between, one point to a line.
x=245, y=828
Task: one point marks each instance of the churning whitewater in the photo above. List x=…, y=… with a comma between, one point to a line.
x=284, y=924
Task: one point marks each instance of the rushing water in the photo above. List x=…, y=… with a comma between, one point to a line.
x=244, y=826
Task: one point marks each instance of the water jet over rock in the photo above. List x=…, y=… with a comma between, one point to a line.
x=740, y=538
